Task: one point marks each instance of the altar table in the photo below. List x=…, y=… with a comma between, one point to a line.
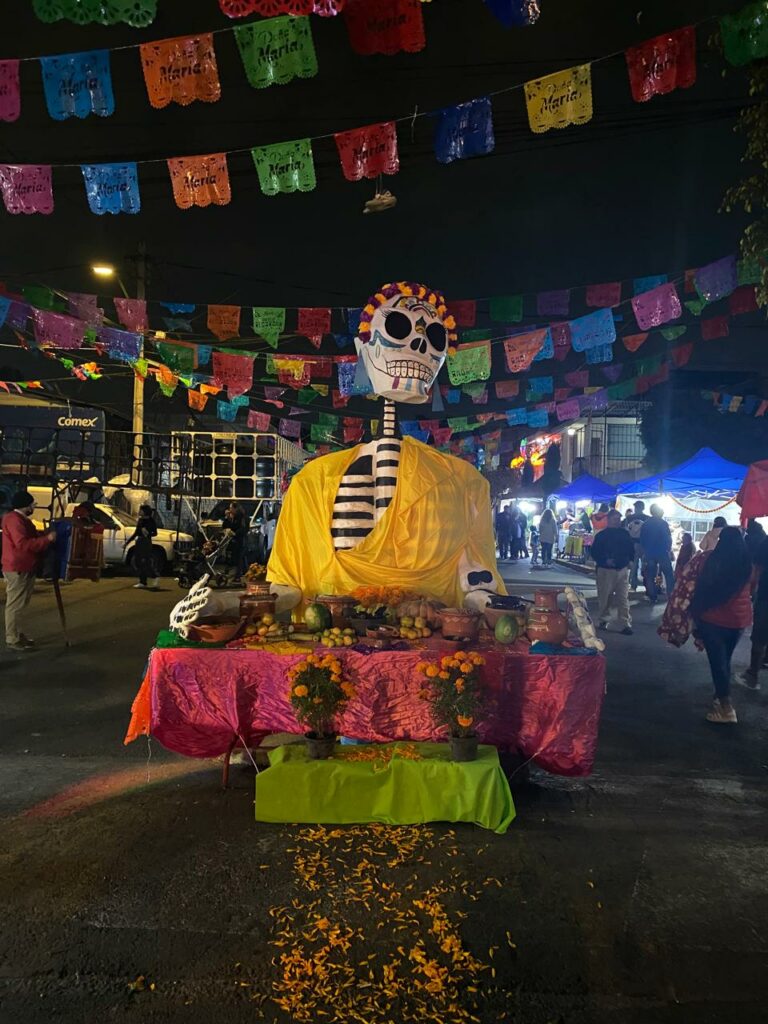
x=201, y=702
x=393, y=783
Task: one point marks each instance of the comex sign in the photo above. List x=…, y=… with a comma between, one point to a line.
x=76, y=421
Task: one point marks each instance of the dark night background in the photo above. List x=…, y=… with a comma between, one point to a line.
x=634, y=192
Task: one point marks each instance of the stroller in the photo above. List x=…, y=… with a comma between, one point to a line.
x=211, y=557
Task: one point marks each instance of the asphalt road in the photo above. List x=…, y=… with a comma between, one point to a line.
x=637, y=895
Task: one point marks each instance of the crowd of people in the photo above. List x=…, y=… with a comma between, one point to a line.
x=714, y=592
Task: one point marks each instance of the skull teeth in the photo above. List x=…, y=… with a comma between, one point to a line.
x=408, y=368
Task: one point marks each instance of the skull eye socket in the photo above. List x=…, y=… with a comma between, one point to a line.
x=436, y=334
x=398, y=325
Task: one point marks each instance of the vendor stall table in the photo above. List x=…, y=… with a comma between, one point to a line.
x=202, y=702
x=394, y=783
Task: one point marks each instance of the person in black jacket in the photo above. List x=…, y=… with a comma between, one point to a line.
x=143, y=554
x=614, y=552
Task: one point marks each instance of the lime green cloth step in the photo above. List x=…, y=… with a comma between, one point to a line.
x=407, y=784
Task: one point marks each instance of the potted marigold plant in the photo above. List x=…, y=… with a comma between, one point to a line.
x=318, y=692
x=454, y=693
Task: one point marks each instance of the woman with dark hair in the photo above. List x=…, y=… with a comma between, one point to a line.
x=547, y=535
x=713, y=595
x=685, y=554
x=143, y=554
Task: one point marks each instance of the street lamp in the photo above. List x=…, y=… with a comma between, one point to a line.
x=106, y=271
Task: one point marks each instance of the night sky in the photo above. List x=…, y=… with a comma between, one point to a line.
x=634, y=192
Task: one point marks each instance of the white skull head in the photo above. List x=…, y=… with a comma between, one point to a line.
x=404, y=342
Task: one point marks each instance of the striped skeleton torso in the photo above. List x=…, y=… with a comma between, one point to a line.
x=368, y=487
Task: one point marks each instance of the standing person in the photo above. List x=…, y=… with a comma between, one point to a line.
x=547, y=535
x=656, y=543
x=534, y=544
x=613, y=551
x=599, y=518
x=712, y=536
x=722, y=608
x=23, y=549
x=502, y=532
x=712, y=598
x=514, y=533
x=522, y=521
x=754, y=538
x=633, y=523
x=236, y=523
x=685, y=554
x=143, y=555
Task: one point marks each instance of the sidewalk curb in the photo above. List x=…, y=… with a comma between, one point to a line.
x=585, y=570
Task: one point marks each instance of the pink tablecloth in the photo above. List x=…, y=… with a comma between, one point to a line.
x=196, y=702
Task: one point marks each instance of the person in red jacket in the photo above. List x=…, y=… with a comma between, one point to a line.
x=721, y=608
x=23, y=547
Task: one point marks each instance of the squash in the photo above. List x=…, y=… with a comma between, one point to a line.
x=421, y=608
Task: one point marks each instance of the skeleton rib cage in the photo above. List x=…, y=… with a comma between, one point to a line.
x=368, y=487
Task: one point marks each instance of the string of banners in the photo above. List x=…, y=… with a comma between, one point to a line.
x=233, y=370
x=747, y=405
x=277, y=50
x=65, y=321
x=273, y=51
x=141, y=13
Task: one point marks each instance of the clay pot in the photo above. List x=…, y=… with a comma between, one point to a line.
x=464, y=748
x=215, y=631
x=341, y=608
x=459, y=623
x=320, y=748
x=545, y=620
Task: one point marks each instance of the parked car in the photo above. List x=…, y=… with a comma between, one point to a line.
x=118, y=527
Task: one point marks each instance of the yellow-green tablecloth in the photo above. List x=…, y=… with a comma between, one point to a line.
x=406, y=784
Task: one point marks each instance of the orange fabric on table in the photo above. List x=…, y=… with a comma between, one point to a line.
x=140, y=713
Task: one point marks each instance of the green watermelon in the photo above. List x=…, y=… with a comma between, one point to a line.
x=507, y=629
x=317, y=617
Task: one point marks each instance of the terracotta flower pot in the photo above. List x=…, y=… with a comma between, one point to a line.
x=464, y=748
x=320, y=747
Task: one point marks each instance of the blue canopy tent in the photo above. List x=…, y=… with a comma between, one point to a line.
x=586, y=488
x=705, y=475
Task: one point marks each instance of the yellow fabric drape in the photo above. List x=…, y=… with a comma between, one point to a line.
x=441, y=509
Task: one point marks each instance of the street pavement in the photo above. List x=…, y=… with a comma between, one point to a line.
x=135, y=890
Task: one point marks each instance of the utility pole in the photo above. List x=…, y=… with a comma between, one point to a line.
x=138, y=381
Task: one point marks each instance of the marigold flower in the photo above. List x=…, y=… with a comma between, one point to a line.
x=421, y=665
x=446, y=661
x=461, y=655
x=464, y=721
x=335, y=677
x=466, y=667
x=460, y=684
x=348, y=689
x=300, y=691
x=432, y=671
x=317, y=700
x=444, y=675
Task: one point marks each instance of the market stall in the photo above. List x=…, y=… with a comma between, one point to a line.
x=691, y=493
x=582, y=492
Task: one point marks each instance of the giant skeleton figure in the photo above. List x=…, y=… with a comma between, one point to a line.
x=334, y=532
